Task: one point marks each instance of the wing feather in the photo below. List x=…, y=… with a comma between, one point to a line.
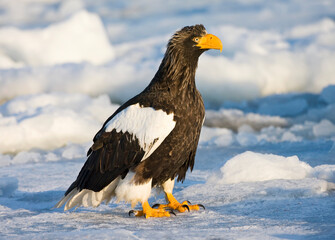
x=125, y=140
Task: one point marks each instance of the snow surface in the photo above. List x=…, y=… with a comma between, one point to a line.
x=265, y=166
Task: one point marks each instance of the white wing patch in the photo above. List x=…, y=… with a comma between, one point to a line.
x=148, y=125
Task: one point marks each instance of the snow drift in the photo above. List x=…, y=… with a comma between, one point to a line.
x=49, y=121
x=249, y=167
x=78, y=39
x=255, y=62
x=254, y=167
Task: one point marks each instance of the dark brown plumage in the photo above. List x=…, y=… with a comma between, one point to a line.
x=152, y=138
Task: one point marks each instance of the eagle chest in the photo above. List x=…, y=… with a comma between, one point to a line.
x=189, y=115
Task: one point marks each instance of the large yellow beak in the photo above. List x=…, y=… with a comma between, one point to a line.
x=209, y=41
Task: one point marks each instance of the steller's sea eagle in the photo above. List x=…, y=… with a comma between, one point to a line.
x=152, y=138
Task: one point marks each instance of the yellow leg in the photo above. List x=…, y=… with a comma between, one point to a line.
x=150, y=212
x=174, y=204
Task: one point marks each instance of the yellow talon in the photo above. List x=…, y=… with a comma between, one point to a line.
x=150, y=212
x=181, y=207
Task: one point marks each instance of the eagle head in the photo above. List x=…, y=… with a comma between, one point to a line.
x=192, y=41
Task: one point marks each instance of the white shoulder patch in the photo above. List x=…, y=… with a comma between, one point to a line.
x=148, y=125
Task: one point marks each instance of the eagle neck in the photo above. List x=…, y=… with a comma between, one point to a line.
x=176, y=70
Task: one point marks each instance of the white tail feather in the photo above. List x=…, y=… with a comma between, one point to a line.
x=65, y=198
x=88, y=198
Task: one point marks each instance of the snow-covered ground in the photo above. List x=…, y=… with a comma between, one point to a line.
x=265, y=167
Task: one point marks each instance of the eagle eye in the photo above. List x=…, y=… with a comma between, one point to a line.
x=196, y=39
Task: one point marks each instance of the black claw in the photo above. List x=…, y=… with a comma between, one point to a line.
x=200, y=205
x=155, y=205
x=131, y=212
x=186, y=206
x=172, y=212
x=188, y=202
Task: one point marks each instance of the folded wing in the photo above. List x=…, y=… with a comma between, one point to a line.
x=128, y=138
